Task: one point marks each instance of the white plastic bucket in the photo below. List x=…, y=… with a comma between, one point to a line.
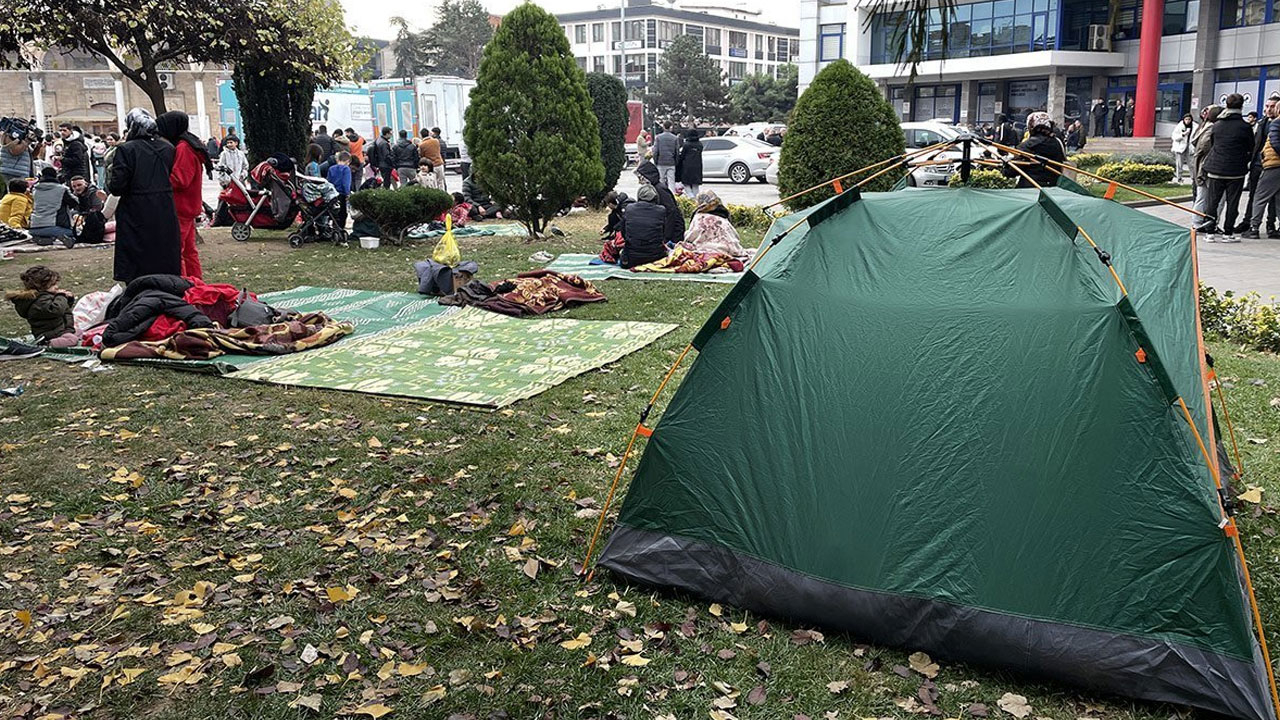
x=369, y=243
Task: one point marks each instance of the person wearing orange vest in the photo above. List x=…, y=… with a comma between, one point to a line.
x=356, y=148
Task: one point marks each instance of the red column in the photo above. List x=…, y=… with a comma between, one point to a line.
x=1144, y=103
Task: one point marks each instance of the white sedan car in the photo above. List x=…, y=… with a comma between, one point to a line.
x=736, y=158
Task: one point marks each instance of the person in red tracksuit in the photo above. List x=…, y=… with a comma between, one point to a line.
x=189, y=160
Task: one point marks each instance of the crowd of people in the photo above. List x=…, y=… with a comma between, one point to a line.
x=152, y=178
x=1227, y=153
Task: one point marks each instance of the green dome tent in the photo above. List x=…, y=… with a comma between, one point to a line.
x=937, y=420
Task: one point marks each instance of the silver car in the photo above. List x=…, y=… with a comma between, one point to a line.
x=927, y=172
x=736, y=158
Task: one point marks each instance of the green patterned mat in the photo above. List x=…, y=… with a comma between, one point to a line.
x=369, y=310
x=580, y=264
x=473, y=357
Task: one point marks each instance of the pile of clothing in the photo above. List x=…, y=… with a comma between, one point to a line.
x=531, y=293
x=172, y=317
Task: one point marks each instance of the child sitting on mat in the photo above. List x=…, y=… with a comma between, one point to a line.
x=45, y=307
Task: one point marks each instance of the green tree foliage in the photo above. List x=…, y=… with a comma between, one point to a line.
x=688, y=86
x=534, y=141
x=761, y=98
x=142, y=38
x=840, y=124
x=453, y=46
x=275, y=110
x=609, y=101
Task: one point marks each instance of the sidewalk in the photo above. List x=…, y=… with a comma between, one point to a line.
x=1243, y=266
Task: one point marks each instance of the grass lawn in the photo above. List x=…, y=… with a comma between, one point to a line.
x=1166, y=190
x=182, y=546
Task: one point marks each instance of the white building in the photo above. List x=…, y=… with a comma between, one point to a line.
x=731, y=36
x=1014, y=56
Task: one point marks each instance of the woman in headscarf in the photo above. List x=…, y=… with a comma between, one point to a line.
x=711, y=232
x=147, y=237
x=190, y=161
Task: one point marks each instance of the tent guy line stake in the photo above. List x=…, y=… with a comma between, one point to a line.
x=622, y=464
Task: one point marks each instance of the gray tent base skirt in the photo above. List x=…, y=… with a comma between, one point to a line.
x=1095, y=659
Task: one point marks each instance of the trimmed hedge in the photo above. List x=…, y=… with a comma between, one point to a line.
x=609, y=103
x=985, y=178
x=1244, y=319
x=395, y=211
x=1089, y=161
x=1136, y=174
x=840, y=124
x=1146, y=158
x=752, y=217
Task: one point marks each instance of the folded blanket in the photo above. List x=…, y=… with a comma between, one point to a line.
x=295, y=334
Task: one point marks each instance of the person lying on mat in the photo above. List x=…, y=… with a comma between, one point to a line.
x=643, y=224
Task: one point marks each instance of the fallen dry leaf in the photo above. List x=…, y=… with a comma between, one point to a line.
x=1015, y=705
x=373, y=710
x=577, y=643
x=923, y=664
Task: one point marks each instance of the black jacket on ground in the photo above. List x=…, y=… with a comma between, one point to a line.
x=642, y=228
x=75, y=157
x=1045, y=146
x=147, y=238
x=404, y=155
x=1232, y=146
x=674, y=231
x=689, y=163
x=146, y=299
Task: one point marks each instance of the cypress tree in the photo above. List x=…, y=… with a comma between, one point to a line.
x=609, y=102
x=841, y=123
x=533, y=138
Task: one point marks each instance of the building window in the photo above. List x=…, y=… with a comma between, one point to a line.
x=615, y=30
x=1180, y=16
x=759, y=47
x=668, y=31
x=1079, y=99
x=936, y=102
x=986, y=102
x=713, y=41
x=582, y=63
x=597, y=32
x=694, y=30
x=737, y=70
x=830, y=42
x=785, y=49
x=580, y=34
x=1024, y=97
x=597, y=64
x=1242, y=13
x=737, y=44
x=635, y=30
x=651, y=62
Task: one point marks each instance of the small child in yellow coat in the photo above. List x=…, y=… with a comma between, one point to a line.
x=15, y=207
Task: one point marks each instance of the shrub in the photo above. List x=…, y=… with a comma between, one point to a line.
x=275, y=110
x=395, y=211
x=534, y=141
x=841, y=123
x=609, y=103
x=751, y=217
x=1089, y=161
x=1245, y=319
x=1136, y=174
x=985, y=178
x=1146, y=158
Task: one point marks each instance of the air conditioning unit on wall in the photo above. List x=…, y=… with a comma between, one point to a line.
x=1100, y=38
x=168, y=80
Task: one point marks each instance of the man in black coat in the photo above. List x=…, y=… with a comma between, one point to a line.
x=643, y=224
x=1226, y=167
x=1099, y=112
x=75, y=154
x=325, y=141
x=147, y=238
x=1260, y=129
x=674, y=228
x=380, y=157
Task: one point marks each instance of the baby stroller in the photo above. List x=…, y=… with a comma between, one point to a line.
x=320, y=206
x=268, y=200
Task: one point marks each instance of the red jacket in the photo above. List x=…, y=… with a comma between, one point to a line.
x=187, y=177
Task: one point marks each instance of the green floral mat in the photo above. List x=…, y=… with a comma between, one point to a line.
x=472, y=357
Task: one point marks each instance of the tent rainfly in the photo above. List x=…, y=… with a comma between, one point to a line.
x=946, y=420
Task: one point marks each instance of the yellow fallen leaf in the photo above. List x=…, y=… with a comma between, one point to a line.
x=232, y=660
x=245, y=578
x=530, y=568
x=374, y=710
x=387, y=670
x=128, y=675
x=340, y=594
x=577, y=643
x=738, y=628
x=625, y=608
x=923, y=664
x=635, y=660
x=1252, y=495
x=407, y=670
x=715, y=609
x=24, y=617
x=374, y=442
x=435, y=694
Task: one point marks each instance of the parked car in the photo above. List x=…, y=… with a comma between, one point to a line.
x=771, y=172
x=736, y=158
x=922, y=135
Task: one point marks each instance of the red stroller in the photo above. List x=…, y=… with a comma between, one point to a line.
x=268, y=201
